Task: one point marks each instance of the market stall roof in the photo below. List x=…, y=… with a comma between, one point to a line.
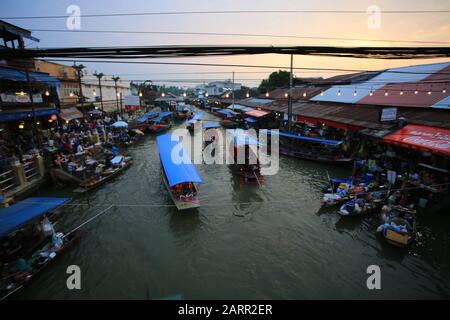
x=228, y=113
x=240, y=107
x=257, y=113
x=429, y=139
x=176, y=171
x=295, y=136
x=19, y=214
x=71, y=113
x=19, y=75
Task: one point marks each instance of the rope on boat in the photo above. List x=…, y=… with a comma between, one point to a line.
x=88, y=220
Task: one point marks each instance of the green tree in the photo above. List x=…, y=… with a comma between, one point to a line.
x=277, y=79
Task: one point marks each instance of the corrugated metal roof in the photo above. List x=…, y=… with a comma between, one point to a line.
x=363, y=115
x=359, y=92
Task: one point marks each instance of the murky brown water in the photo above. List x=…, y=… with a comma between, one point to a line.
x=280, y=246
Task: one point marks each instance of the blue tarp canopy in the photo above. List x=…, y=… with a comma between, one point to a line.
x=191, y=121
x=241, y=138
x=19, y=214
x=11, y=116
x=142, y=119
x=182, y=107
x=227, y=113
x=295, y=136
x=176, y=171
x=165, y=114
x=151, y=114
x=250, y=119
x=211, y=124
x=240, y=107
x=198, y=116
x=18, y=75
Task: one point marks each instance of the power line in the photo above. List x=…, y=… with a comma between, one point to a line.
x=225, y=12
x=239, y=66
x=236, y=35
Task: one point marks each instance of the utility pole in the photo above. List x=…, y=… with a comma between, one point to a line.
x=79, y=68
x=290, y=95
x=232, y=90
x=115, y=79
x=99, y=77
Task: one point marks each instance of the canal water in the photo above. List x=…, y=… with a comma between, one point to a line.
x=245, y=242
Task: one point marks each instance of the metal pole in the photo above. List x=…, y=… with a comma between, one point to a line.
x=232, y=90
x=290, y=95
x=30, y=92
x=115, y=86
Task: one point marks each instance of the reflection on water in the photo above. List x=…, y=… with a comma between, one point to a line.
x=245, y=241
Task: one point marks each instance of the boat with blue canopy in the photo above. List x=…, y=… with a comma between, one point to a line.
x=160, y=123
x=310, y=148
x=191, y=122
x=179, y=175
x=23, y=212
x=244, y=144
x=29, y=242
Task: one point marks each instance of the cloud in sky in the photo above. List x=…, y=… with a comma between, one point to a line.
x=422, y=27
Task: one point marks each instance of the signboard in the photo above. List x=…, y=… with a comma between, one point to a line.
x=388, y=114
x=18, y=98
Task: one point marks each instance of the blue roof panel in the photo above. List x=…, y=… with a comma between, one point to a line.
x=177, y=170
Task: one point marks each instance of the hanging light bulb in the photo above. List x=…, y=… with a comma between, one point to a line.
x=163, y=94
x=371, y=93
x=21, y=125
x=206, y=94
x=118, y=94
x=444, y=90
x=71, y=94
x=286, y=94
x=429, y=92
x=354, y=93
x=140, y=94
x=416, y=91
x=267, y=94
x=247, y=94
x=304, y=94
x=21, y=92
x=386, y=93
x=321, y=93
x=401, y=92
x=339, y=92
x=47, y=93
x=94, y=93
x=184, y=94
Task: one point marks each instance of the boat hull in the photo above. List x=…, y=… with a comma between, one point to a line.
x=181, y=205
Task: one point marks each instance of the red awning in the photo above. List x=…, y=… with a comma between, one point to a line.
x=257, y=113
x=429, y=139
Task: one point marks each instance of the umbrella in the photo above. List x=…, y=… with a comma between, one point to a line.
x=120, y=124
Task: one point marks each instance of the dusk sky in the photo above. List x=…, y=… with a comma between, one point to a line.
x=411, y=27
